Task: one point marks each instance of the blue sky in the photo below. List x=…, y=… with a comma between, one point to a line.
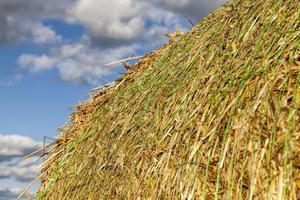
x=52, y=53
x=36, y=104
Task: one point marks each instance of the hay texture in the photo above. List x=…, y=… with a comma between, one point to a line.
x=215, y=114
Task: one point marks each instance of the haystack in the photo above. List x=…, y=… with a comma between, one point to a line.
x=212, y=115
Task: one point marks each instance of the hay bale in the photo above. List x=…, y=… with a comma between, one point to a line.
x=214, y=114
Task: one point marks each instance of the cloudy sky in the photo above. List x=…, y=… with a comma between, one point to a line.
x=53, y=52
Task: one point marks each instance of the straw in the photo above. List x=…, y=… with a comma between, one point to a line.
x=212, y=115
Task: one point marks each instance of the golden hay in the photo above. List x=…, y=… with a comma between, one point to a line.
x=213, y=115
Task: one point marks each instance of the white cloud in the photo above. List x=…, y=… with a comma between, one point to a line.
x=87, y=65
x=110, y=20
x=20, y=170
x=13, y=146
x=36, y=63
x=78, y=62
x=13, y=170
x=189, y=9
x=115, y=29
x=43, y=34
x=22, y=20
x=115, y=21
x=174, y=3
x=9, y=193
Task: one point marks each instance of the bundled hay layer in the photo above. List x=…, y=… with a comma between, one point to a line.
x=215, y=114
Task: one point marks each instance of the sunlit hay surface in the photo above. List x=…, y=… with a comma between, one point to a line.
x=213, y=115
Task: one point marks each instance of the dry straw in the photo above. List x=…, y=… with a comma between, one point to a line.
x=214, y=115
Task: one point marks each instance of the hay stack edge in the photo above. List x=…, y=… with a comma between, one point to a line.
x=214, y=114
